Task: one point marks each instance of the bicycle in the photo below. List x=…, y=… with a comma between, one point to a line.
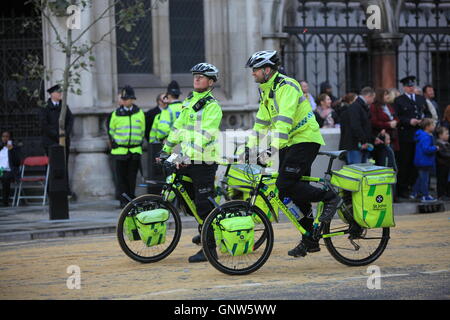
x=131, y=243
x=343, y=237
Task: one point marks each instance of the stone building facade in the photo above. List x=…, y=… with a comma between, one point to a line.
x=318, y=40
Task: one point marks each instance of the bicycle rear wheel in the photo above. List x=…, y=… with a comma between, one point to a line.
x=360, y=246
x=137, y=249
x=246, y=263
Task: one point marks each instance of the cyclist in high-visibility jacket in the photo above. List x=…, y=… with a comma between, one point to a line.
x=286, y=114
x=126, y=129
x=197, y=129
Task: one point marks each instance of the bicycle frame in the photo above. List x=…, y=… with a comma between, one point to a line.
x=272, y=198
x=175, y=184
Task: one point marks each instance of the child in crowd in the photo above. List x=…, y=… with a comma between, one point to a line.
x=424, y=159
x=443, y=164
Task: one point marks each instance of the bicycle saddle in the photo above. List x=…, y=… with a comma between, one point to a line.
x=333, y=154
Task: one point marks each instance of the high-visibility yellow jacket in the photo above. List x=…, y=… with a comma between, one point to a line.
x=286, y=113
x=197, y=128
x=164, y=121
x=127, y=129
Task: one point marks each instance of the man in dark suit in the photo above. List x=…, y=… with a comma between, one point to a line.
x=410, y=109
x=356, y=130
x=49, y=120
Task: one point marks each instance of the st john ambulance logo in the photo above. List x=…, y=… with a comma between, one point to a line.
x=379, y=198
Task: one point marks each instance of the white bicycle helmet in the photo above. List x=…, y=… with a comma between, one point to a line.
x=263, y=58
x=206, y=69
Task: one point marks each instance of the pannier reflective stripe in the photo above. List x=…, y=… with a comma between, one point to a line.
x=371, y=188
x=235, y=235
x=152, y=226
x=129, y=226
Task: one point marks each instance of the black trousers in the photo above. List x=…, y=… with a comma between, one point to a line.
x=407, y=172
x=443, y=185
x=6, y=179
x=202, y=186
x=296, y=161
x=127, y=169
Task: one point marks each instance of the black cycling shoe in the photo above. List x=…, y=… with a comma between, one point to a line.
x=198, y=257
x=197, y=240
x=303, y=247
x=330, y=208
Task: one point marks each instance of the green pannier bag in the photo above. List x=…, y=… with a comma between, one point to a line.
x=235, y=236
x=152, y=226
x=371, y=188
x=131, y=231
x=241, y=176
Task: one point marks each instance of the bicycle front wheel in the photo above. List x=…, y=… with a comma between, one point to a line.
x=223, y=260
x=360, y=246
x=130, y=241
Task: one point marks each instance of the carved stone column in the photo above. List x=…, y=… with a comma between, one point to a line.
x=384, y=59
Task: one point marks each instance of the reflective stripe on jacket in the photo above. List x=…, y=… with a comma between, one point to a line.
x=286, y=113
x=197, y=130
x=163, y=122
x=127, y=129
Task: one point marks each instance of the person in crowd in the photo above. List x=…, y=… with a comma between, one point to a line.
x=418, y=91
x=126, y=129
x=384, y=123
x=346, y=101
x=151, y=114
x=392, y=94
x=424, y=160
x=305, y=88
x=356, y=131
x=432, y=106
x=49, y=122
x=443, y=164
x=409, y=109
x=325, y=87
x=445, y=121
x=157, y=132
x=9, y=166
x=326, y=117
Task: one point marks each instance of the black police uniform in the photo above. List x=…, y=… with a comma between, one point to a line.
x=407, y=109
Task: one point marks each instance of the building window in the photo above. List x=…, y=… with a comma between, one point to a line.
x=140, y=59
x=358, y=71
x=441, y=77
x=187, y=38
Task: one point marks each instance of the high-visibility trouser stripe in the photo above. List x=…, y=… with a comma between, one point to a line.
x=189, y=127
x=122, y=134
x=166, y=122
x=263, y=122
x=284, y=119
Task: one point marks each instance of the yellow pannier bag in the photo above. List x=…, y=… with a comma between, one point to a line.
x=371, y=188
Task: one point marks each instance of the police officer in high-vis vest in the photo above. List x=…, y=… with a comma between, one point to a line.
x=164, y=122
x=126, y=129
x=286, y=115
x=197, y=129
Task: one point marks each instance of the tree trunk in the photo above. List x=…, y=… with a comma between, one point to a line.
x=62, y=116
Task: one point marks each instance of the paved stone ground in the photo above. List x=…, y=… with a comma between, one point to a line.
x=415, y=265
x=94, y=217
